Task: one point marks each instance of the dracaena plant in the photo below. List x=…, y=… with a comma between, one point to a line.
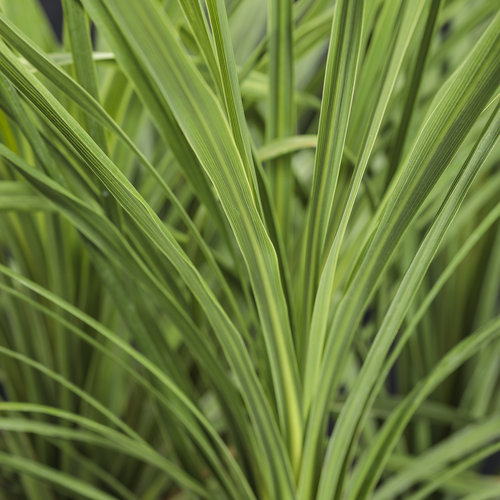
x=250, y=249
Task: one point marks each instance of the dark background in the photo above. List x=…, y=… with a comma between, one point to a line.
x=53, y=9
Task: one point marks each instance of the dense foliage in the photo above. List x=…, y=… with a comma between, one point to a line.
x=250, y=249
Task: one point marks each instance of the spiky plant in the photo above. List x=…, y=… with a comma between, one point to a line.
x=250, y=249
